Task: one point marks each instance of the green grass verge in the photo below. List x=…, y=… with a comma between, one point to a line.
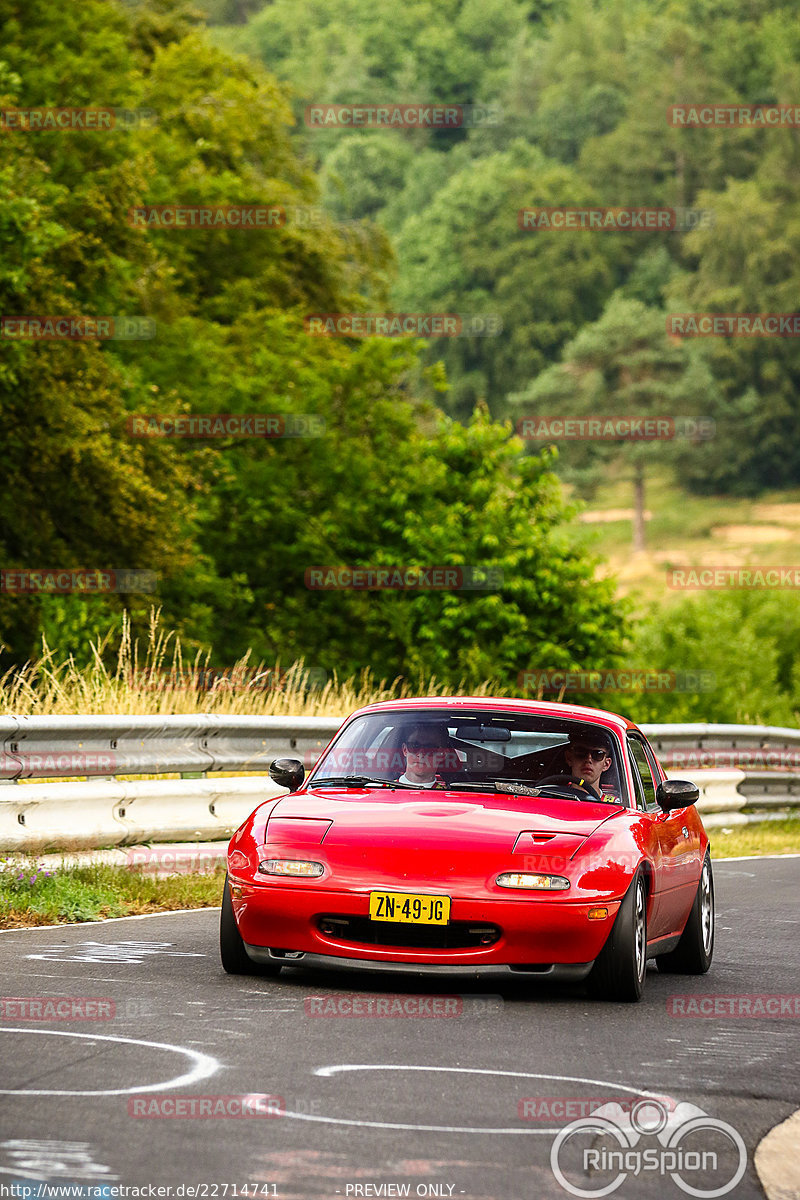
x=34, y=895
x=766, y=837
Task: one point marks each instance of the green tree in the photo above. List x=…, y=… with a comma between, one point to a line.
x=743, y=645
x=466, y=253
x=622, y=365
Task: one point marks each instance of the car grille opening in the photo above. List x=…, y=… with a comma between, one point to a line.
x=458, y=935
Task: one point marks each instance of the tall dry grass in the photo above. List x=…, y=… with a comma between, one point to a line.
x=157, y=678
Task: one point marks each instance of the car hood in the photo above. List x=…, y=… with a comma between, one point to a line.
x=467, y=820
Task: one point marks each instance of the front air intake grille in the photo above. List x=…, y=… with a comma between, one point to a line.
x=458, y=935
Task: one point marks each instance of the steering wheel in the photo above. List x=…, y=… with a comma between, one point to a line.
x=566, y=781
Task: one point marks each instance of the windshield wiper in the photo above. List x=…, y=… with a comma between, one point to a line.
x=360, y=781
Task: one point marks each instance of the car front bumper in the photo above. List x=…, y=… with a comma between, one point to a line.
x=537, y=933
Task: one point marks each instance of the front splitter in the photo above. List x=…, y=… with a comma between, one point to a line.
x=558, y=972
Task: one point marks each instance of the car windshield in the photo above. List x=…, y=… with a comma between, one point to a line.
x=472, y=750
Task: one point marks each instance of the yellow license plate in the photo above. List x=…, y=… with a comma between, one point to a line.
x=409, y=907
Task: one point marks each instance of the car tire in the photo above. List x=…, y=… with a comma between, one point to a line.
x=693, y=953
x=235, y=959
x=619, y=969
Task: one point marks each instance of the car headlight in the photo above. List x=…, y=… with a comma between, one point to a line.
x=296, y=867
x=534, y=883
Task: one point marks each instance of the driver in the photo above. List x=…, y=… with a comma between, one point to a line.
x=588, y=756
x=426, y=751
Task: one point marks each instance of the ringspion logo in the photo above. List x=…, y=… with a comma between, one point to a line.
x=594, y=1155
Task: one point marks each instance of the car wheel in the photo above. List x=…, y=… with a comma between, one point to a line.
x=235, y=958
x=693, y=953
x=619, y=969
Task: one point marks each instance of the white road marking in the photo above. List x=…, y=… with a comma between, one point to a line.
x=117, y=953
x=204, y=1064
x=753, y=857
x=42, y=1159
x=335, y=1070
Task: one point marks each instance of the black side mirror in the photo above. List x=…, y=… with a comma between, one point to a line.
x=676, y=793
x=287, y=772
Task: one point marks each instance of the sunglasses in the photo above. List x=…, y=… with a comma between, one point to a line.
x=596, y=754
x=415, y=746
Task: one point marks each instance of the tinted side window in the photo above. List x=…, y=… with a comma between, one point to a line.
x=637, y=783
x=651, y=758
x=645, y=772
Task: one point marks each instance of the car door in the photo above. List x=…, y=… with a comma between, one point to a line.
x=677, y=877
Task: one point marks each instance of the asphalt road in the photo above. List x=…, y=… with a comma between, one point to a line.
x=465, y=1104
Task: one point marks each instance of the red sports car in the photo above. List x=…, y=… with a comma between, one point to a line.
x=537, y=839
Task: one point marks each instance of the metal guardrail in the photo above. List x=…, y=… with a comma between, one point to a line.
x=104, y=809
x=106, y=746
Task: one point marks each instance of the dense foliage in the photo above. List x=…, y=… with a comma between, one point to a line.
x=415, y=465
x=580, y=91
x=232, y=526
